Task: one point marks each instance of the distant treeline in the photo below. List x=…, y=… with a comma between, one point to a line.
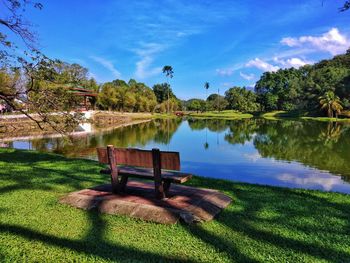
x=324, y=86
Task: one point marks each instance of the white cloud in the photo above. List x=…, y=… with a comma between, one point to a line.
x=292, y=62
x=142, y=68
x=146, y=54
x=247, y=76
x=92, y=75
x=332, y=42
x=227, y=84
x=327, y=182
x=225, y=72
x=254, y=157
x=108, y=65
x=262, y=65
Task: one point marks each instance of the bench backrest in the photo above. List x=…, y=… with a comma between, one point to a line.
x=141, y=158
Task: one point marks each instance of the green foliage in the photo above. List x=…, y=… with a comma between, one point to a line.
x=173, y=104
x=122, y=96
x=218, y=103
x=196, y=105
x=331, y=103
x=168, y=71
x=279, y=90
x=291, y=89
x=225, y=114
x=161, y=92
x=241, y=99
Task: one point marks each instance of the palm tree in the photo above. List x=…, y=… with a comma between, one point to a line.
x=331, y=103
x=168, y=71
x=206, y=86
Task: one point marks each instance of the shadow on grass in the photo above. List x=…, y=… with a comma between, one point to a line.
x=33, y=170
x=289, y=206
x=88, y=246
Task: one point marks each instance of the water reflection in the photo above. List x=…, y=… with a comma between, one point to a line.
x=285, y=153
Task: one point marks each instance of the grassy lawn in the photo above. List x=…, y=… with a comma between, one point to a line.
x=275, y=115
x=226, y=114
x=263, y=223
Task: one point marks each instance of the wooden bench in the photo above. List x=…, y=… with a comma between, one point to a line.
x=162, y=167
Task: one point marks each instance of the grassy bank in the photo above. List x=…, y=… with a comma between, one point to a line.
x=303, y=115
x=226, y=114
x=263, y=223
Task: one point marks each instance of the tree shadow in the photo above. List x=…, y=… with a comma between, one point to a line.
x=33, y=170
x=289, y=207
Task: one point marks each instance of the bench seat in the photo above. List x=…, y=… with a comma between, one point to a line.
x=147, y=173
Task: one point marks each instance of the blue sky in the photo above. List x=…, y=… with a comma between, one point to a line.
x=226, y=43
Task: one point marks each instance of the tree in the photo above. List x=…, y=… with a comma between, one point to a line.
x=213, y=102
x=196, y=105
x=168, y=71
x=279, y=90
x=107, y=98
x=331, y=103
x=346, y=6
x=34, y=81
x=161, y=91
x=132, y=96
x=13, y=21
x=144, y=96
x=241, y=99
x=206, y=86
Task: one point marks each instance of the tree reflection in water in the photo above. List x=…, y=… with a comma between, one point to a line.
x=321, y=145
x=138, y=135
x=325, y=146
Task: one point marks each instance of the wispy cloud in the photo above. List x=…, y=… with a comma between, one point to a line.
x=143, y=69
x=262, y=65
x=224, y=72
x=108, y=65
x=146, y=54
x=332, y=42
x=92, y=75
x=227, y=84
x=168, y=25
x=247, y=76
x=292, y=62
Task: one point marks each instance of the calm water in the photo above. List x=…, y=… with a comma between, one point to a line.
x=311, y=155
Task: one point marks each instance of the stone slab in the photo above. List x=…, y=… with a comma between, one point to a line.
x=188, y=204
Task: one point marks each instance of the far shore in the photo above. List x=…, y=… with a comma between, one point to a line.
x=20, y=127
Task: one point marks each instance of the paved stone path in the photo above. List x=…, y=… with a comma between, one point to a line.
x=189, y=204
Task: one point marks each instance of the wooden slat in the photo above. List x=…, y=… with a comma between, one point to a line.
x=102, y=155
x=134, y=157
x=147, y=173
x=141, y=158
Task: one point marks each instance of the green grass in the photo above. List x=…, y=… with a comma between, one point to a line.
x=326, y=119
x=226, y=114
x=304, y=115
x=263, y=224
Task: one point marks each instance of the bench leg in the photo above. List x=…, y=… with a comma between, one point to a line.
x=162, y=189
x=159, y=188
x=115, y=182
x=166, y=187
x=123, y=182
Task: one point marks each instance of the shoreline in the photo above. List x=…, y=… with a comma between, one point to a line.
x=26, y=129
x=74, y=134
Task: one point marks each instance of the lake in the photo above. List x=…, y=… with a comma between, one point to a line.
x=296, y=154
